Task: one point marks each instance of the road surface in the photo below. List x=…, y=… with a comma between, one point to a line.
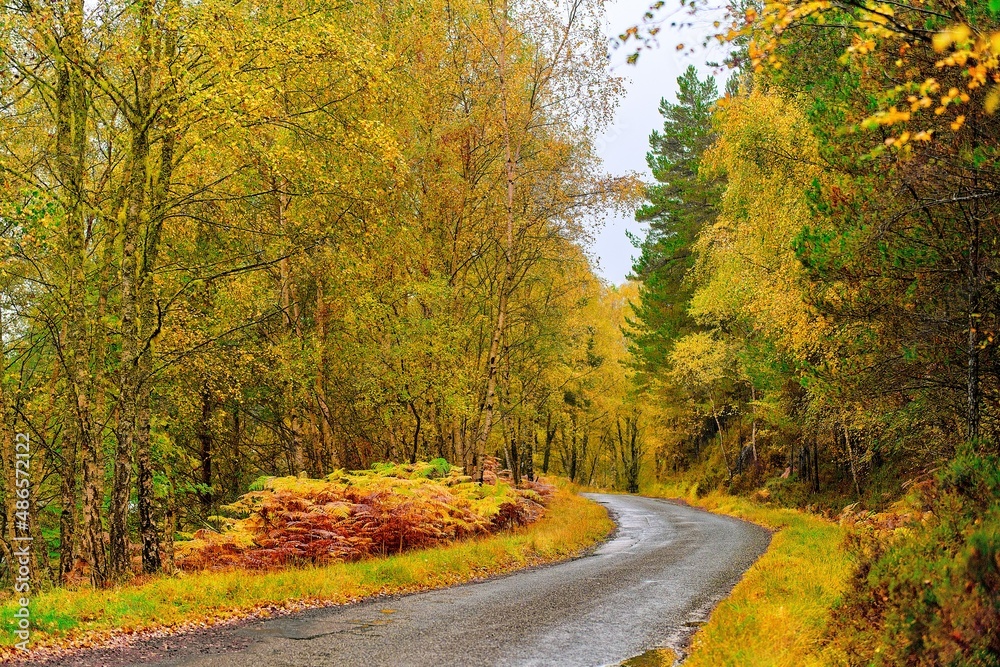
x=650, y=586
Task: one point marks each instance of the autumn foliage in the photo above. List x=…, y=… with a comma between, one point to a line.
x=347, y=516
x=927, y=585
x=331, y=234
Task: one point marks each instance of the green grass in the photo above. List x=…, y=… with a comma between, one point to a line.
x=778, y=613
x=83, y=616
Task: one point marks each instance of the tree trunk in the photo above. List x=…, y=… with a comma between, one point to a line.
x=235, y=438
x=135, y=219
x=492, y=367
x=72, y=114
x=169, y=527
x=974, y=317
x=506, y=284
x=815, y=463
x=293, y=326
x=145, y=492
x=416, y=432
x=93, y=543
x=515, y=454
x=530, y=457
x=329, y=446
x=67, y=511
x=128, y=380
x=850, y=458
x=149, y=329
x=636, y=454
x=722, y=446
x=550, y=435
x=205, y=453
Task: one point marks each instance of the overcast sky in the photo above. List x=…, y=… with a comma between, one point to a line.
x=624, y=145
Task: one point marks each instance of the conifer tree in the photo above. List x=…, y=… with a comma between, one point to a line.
x=677, y=207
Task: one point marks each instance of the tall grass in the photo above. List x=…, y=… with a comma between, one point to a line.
x=778, y=613
x=62, y=616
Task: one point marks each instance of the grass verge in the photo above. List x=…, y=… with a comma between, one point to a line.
x=779, y=611
x=84, y=617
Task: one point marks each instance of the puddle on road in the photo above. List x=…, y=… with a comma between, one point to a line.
x=658, y=657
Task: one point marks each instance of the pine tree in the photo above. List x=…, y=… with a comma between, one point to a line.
x=678, y=205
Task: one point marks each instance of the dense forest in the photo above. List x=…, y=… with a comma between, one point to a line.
x=250, y=239
x=245, y=239
x=818, y=283
x=818, y=308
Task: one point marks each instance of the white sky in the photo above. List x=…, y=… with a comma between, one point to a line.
x=623, y=147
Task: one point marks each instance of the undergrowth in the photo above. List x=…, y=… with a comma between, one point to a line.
x=348, y=516
x=914, y=585
x=926, y=589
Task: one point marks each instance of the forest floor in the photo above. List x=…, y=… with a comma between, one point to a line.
x=67, y=621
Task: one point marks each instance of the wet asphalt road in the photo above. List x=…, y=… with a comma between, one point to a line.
x=650, y=586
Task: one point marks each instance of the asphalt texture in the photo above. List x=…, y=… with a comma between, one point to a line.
x=651, y=585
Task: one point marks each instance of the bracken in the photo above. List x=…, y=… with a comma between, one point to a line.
x=348, y=516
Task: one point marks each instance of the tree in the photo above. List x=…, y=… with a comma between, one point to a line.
x=679, y=205
x=318, y=238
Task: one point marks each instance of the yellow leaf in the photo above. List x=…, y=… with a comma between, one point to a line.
x=992, y=100
x=942, y=41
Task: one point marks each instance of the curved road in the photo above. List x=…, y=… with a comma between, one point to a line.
x=650, y=586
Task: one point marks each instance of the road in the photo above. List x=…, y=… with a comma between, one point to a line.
x=651, y=585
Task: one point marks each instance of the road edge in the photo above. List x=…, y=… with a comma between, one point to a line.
x=778, y=612
x=533, y=549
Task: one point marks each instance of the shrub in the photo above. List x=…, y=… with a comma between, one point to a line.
x=349, y=516
x=926, y=590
